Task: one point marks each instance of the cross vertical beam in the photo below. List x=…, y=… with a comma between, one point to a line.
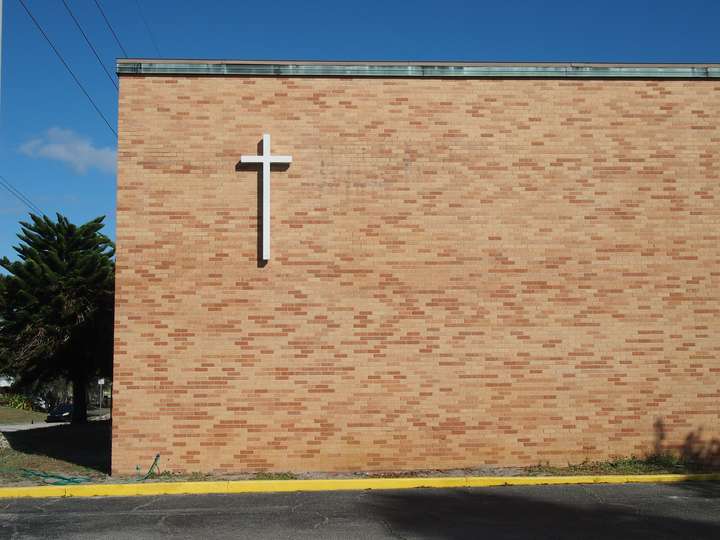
x=266, y=159
x=266, y=196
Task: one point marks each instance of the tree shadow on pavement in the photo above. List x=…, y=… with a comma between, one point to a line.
x=86, y=445
x=706, y=490
x=558, y=512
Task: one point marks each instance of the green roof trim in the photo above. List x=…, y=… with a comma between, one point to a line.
x=418, y=69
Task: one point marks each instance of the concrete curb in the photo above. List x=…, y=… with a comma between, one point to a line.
x=350, y=484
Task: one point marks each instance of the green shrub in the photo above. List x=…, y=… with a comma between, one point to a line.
x=18, y=401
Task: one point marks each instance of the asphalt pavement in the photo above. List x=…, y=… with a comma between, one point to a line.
x=690, y=510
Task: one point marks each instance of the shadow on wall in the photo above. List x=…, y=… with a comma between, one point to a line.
x=87, y=445
x=558, y=512
x=695, y=453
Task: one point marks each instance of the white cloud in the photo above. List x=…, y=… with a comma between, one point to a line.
x=69, y=147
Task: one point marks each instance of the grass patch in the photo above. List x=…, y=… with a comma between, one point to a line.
x=199, y=477
x=8, y=415
x=655, y=464
x=65, y=449
x=274, y=476
x=12, y=462
x=182, y=477
x=172, y=476
x=163, y=475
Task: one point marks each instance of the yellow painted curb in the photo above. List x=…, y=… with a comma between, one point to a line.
x=349, y=484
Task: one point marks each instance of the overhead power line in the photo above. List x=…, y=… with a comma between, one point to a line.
x=117, y=39
x=64, y=63
x=19, y=195
x=87, y=40
x=1, y=28
x=147, y=27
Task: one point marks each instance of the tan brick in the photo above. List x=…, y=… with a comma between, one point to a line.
x=463, y=272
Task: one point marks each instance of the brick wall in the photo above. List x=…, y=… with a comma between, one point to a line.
x=463, y=272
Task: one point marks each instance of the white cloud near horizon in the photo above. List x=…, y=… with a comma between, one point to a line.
x=71, y=148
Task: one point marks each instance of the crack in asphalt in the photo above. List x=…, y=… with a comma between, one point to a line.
x=16, y=531
x=390, y=530
x=152, y=501
x=42, y=506
x=162, y=522
x=299, y=504
x=324, y=521
x=637, y=510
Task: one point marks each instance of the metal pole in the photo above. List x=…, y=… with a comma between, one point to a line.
x=1, y=13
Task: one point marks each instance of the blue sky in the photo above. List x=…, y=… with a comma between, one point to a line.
x=57, y=150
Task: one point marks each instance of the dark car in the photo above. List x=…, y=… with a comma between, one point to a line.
x=61, y=413
x=39, y=404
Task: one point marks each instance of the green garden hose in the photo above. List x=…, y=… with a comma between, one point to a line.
x=60, y=480
x=47, y=478
x=54, y=479
x=154, y=468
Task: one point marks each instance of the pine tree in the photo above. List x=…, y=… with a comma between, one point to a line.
x=56, y=311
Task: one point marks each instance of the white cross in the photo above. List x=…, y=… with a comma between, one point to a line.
x=266, y=159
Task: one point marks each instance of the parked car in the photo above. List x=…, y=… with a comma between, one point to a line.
x=39, y=404
x=61, y=413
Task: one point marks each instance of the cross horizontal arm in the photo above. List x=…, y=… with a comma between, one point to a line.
x=251, y=159
x=266, y=159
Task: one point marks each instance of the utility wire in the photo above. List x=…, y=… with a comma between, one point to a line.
x=64, y=63
x=19, y=195
x=87, y=40
x=147, y=26
x=117, y=39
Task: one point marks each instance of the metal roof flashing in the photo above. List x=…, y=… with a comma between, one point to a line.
x=284, y=68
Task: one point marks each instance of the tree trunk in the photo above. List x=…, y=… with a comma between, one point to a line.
x=79, y=411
